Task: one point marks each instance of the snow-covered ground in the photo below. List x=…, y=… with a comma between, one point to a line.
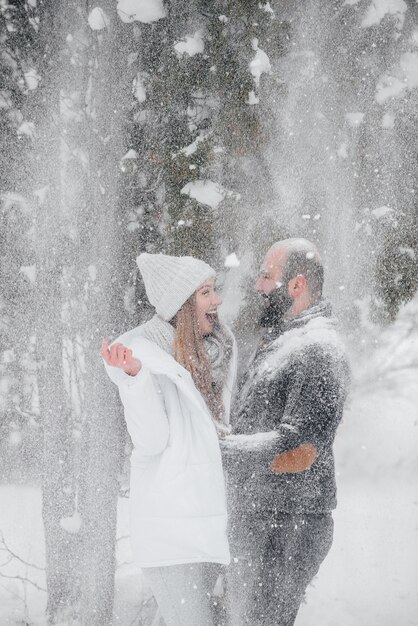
x=21, y=530
x=370, y=577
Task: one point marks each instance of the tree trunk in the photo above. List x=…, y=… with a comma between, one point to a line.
x=100, y=247
x=57, y=502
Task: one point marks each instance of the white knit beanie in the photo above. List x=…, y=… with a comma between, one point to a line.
x=171, y=280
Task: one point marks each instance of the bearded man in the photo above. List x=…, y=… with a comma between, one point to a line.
x=280, y=459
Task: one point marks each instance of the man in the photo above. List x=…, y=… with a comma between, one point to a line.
x=280, y=464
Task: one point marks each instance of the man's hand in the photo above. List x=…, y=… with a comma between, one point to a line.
x=293, y=461
x=120, y=356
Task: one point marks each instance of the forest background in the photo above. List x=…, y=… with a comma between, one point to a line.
x=203, y=127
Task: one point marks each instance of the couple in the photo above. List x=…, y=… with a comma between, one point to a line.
x=175, y=375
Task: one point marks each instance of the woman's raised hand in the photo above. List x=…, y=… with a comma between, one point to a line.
x=120, y=356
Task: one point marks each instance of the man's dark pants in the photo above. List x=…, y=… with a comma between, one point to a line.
x=275, y=556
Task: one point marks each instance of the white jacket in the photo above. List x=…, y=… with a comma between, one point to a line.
x=177, y=490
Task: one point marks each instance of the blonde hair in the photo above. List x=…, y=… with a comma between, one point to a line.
x=190, y=352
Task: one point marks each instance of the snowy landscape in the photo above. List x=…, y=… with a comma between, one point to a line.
x=209, y=128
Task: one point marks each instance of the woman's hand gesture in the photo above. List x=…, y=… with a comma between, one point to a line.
x=120, y=356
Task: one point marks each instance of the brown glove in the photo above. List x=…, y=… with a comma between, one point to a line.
x=293, y=461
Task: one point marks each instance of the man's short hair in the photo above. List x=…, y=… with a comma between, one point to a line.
x=303, y=258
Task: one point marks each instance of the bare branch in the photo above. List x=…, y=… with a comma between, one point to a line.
x=23, y=579
x=12, y=593
x=7, y=562
x=15, y=556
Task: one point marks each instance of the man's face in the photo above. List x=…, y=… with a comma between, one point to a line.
x=271, y=271
x=275, y=293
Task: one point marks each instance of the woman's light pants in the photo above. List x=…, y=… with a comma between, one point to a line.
x=184, y=592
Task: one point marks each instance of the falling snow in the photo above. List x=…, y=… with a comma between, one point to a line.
x=212, y=134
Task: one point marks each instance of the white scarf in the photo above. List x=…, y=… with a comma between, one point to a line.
x=218, y=346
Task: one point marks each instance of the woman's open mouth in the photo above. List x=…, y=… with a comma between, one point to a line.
x=212, y=317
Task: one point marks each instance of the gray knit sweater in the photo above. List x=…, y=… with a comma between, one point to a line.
x=293, y=393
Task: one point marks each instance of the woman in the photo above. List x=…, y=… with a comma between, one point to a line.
x=175, y=375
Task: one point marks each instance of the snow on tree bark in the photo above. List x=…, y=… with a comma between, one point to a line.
x=99, y=246
x=57, y=501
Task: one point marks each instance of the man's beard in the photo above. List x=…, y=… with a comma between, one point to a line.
x=280, y=303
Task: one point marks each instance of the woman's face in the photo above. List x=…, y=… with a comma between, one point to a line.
x=207, y=302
